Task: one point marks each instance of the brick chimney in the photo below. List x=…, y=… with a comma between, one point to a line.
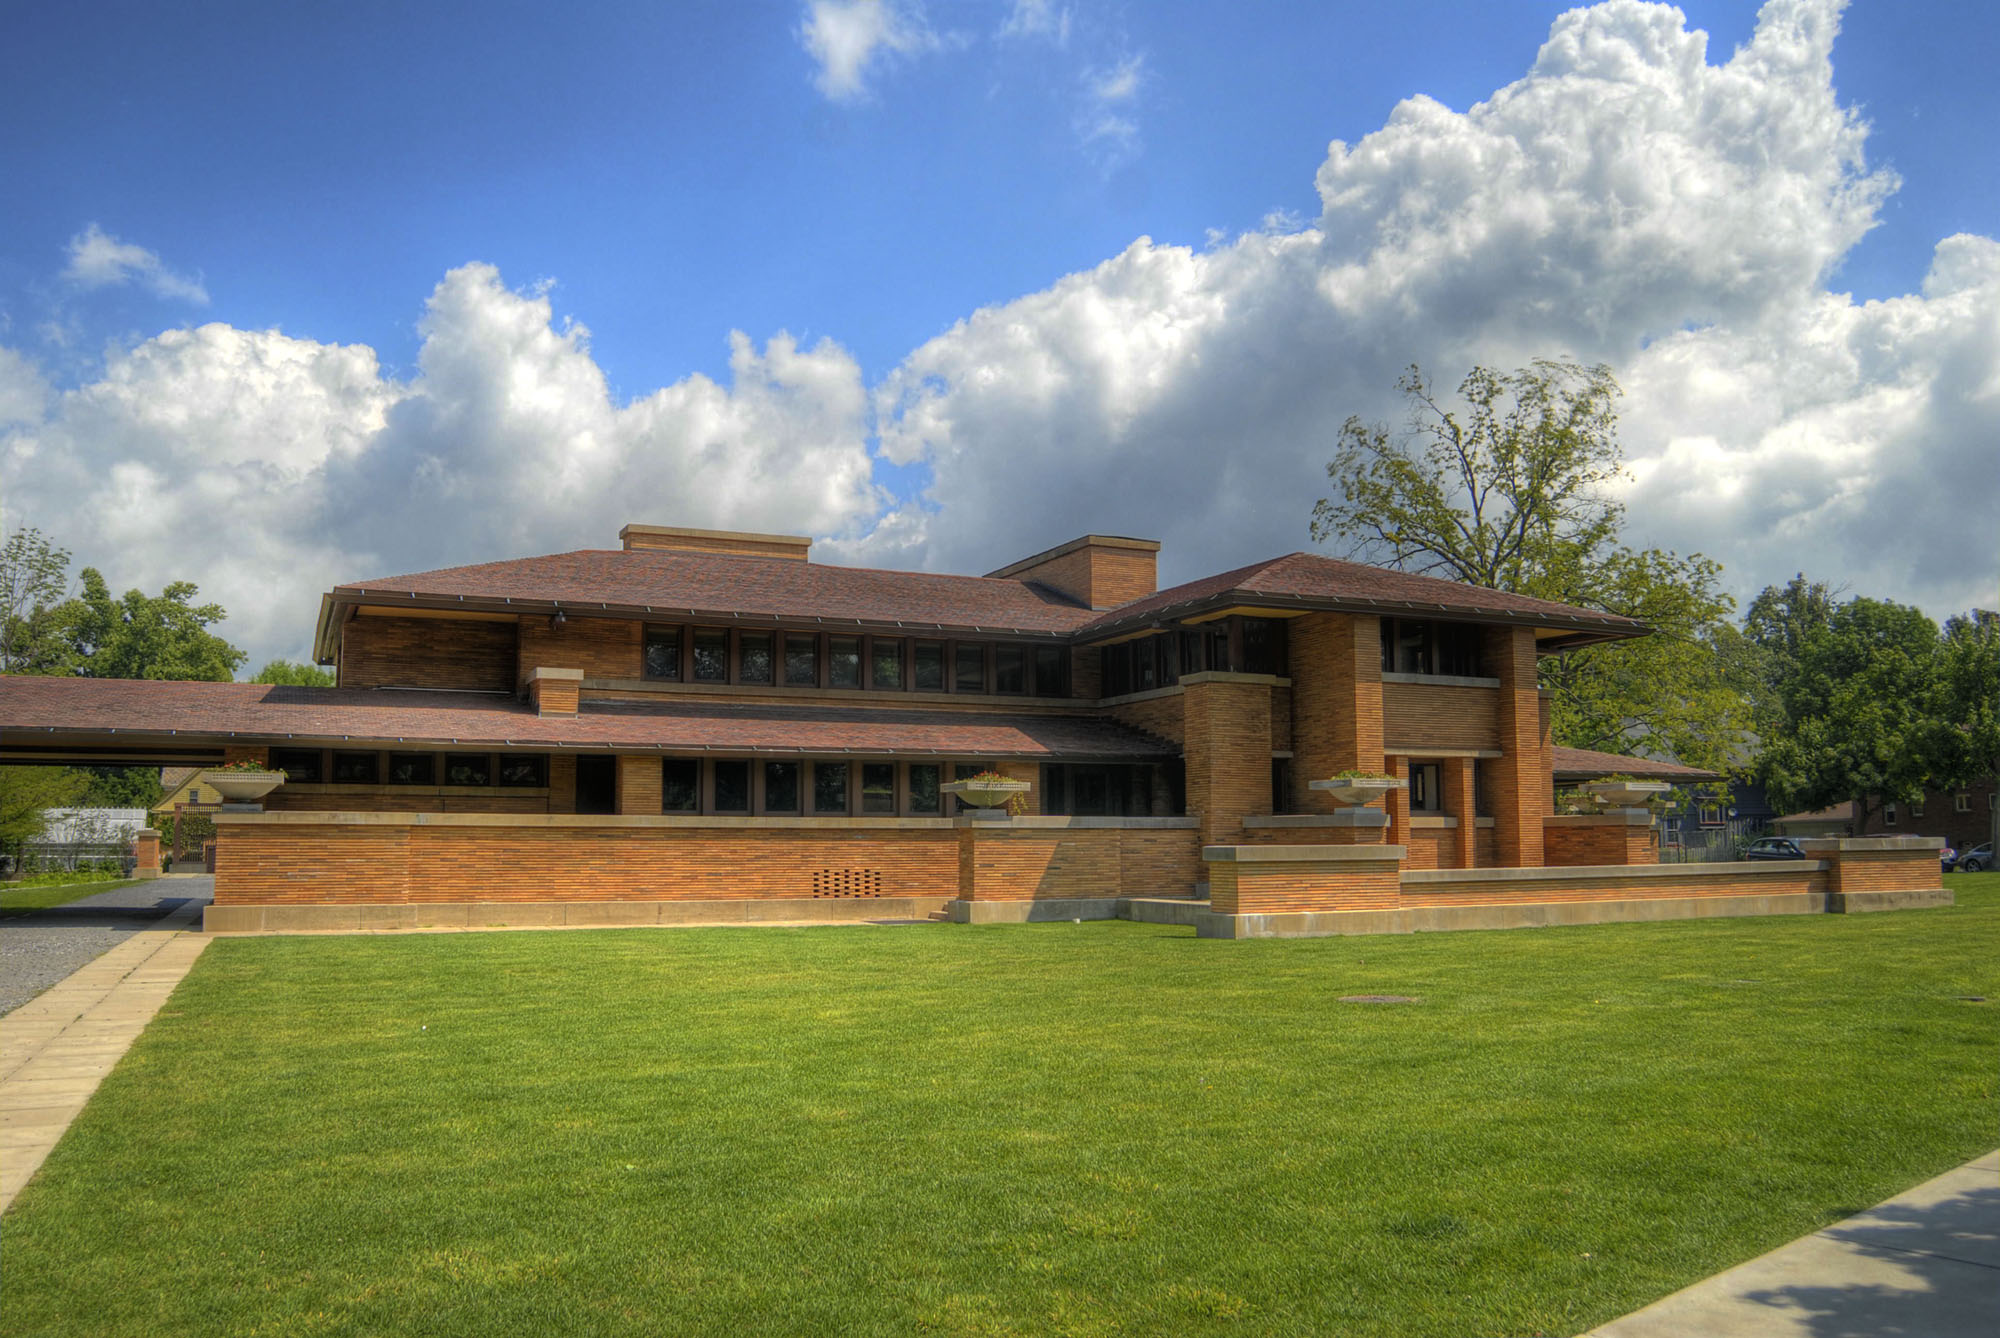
x=1100, y=570
x=669, y=538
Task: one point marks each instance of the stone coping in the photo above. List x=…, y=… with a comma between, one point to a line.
x=564, y=675
x=1038, y=824
x=1439, y=680
x=1848, y=845
x=1374, y=854
x=1432, y=820
x=1348, y=817
x=1573, y=872
x=1610, y=817
x=341, y=818
x=1226, y=676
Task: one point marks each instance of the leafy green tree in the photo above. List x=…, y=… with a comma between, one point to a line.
x=162, y=636
x=34, y=576
x=25, y=792
x=121, y=787
x=294, y=674
x=1968, y=680
x=1510, y=492
x=1852, y=711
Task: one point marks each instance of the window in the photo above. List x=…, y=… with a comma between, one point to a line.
x=1281, y=785
x=1889, y=815
x=878, y=787
x=1482, y=790
x=711, y=655
x=1416, y=646
x=781, y=787
x=1426, y=788
x=928, y=664
x=843, y=661
x=1710, y=815
x=1263, y=646
x=1215, y=649
x=528, y=770
x=301, y=765
x=1010, y=669
x=412, y=769
x=680, y=785
x=1917, y=809
x=885, y=656
x=925, y=778
x=1055, y=789
x=969, y=667
x=663, y=653
x=732, y=787
x=354, y=768
x=1145, y=675
x=468, y=769
x=1118, y=669
x=829, y=787
x=1960, y=803
x=753, y=664
x=1190, y=658
x=1051, y=678
x=801, y=660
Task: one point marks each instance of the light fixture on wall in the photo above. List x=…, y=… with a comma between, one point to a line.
x=558, y=620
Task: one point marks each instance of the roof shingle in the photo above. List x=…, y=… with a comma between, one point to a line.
x=256, y=712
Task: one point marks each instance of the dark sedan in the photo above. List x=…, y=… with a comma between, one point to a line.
x=1774, y=847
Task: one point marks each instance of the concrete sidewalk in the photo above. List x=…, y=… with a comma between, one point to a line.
x=55, y=1049
x=1925, y=1263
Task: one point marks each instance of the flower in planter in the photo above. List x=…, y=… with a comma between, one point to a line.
x=242, y=765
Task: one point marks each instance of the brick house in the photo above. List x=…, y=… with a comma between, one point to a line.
x=710, y=718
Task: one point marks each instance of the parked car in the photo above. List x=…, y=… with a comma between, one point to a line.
x=1946, y=857
x=1978, y=859
x=1774, y=847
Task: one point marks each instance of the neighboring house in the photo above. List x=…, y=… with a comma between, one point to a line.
x=183, y=789
x=1963, y=816
x=73, y=836
x=1835, y=821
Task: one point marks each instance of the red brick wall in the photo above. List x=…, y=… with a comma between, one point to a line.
x=1431, y=848
x=1336, y=699
x=1227, y=745
x=394, y=864
x=1424, y=715
x=1885, y=871
x=601, y=647
x=427, y=653
x=1519, y=777
x=1258, y=888
x=1568, y=845
x=1555, y=888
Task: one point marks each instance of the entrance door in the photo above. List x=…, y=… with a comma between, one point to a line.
x=596, y=784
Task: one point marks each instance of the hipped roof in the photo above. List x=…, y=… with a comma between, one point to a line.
x=101, y=711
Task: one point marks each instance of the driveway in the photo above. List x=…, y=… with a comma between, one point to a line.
x=39, y=948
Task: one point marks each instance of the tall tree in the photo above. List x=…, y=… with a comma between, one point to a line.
x=34, y=576
x=1511, y=492
x=141, y=636
x=1853, y=698
x=1968, y=678
x=26, y=793
x=293, y=674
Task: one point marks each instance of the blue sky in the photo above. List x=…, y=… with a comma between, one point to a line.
x=665, y=175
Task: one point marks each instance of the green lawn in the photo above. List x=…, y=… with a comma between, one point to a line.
x=1094, y=1129
x=35, y=894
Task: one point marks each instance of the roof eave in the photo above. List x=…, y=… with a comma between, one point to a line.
x=1579, y=630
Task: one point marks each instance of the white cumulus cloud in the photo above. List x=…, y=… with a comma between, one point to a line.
x=267, y=468
x=99, y=260
x=849, y=39
x=1626, y=201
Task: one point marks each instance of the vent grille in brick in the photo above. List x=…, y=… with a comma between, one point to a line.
x=847, y=883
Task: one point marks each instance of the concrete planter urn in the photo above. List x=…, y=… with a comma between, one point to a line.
x=1358, y=791
x=1626, y=794
x=242, y=787
x=989, y=794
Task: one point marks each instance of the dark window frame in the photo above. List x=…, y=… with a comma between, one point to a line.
x=373, y=767
x=661, y=634
x=540, y=773
x=668, y=787
x=310, y=762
